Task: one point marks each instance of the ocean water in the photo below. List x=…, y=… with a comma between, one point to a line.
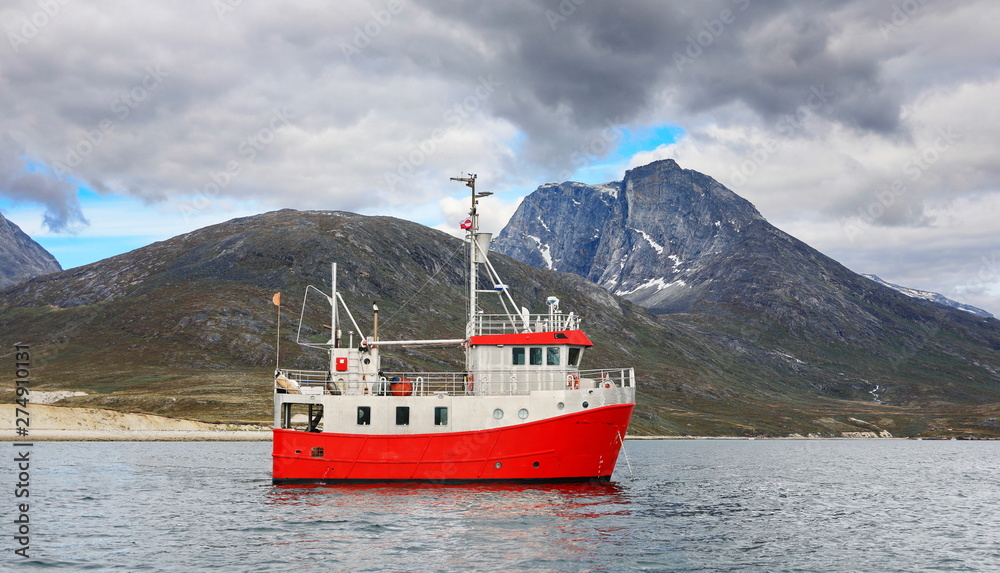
x=685, y=505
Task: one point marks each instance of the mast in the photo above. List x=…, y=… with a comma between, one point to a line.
x=473, y=237
x=334, y=339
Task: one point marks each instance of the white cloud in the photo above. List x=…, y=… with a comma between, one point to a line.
x=920, y=209
x=811, y=111
x=494, y=212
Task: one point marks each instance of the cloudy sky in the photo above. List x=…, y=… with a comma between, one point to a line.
x=866, y=128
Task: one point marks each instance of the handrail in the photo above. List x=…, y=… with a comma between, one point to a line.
x=502, y=323
x=483, y=383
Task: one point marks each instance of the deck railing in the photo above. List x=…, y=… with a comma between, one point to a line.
x=507, y=324
x=487, y=383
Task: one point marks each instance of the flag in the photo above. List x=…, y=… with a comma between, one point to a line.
x=467, y=224
x=276, y=299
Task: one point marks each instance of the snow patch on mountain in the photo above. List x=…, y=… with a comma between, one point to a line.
x=608, y=189
x=658, y=247
x=544, y=226
x=543, y=250
x=660, y=284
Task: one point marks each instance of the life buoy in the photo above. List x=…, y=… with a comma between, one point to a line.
x=606, y=383
x=573, y=381
x=469, y=384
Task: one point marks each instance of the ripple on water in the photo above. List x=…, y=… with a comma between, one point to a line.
x=692, y=506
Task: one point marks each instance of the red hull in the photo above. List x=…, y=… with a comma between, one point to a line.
x=580, y=446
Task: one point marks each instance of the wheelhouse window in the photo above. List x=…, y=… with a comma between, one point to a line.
x=441, y=416
x=574, y=356
x=517, y=356
x=535, y=356
x=552, y=356
x=364, y=415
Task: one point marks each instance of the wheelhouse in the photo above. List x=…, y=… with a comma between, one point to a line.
x=549, y=360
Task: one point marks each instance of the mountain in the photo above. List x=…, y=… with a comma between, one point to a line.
x=186, y=328
x=931, y=296
x=21, y=258
x=682, y=245
x=654, y=238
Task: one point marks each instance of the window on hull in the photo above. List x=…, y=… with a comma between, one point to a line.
x=402, y=415
x=441, y=416
x=364, y=415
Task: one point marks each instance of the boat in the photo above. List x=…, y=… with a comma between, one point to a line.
x=522, y=410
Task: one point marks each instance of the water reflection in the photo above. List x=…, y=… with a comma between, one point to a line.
x=496, y=526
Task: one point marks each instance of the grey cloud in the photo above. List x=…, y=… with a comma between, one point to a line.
x=62, y=208
x=565, y=72
x=570, y=68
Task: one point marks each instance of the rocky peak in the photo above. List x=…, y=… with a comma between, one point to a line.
x=643, y=237
x=670, y=219
x=561, y=226
x=21, y=258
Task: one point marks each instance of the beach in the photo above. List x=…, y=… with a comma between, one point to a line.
x=56, y=423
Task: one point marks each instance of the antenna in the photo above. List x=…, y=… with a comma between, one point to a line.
x=473, y=230
x=479, y=246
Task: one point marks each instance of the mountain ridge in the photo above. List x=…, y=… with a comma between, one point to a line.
x=931, y=296
x=21, y=257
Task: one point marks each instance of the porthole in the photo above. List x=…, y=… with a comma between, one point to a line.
x=560, y=405
x=586, y=404
x=522, y=413
x=498, y=465
x=498, y=413
x=535, y=465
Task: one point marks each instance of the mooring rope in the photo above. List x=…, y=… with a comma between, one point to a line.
x=624, y=451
